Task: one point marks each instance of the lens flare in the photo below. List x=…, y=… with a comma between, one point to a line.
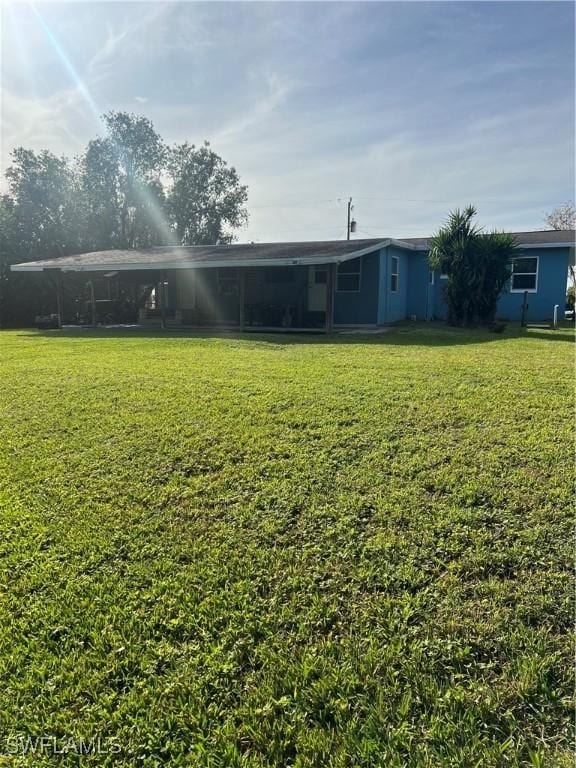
x=146, y=198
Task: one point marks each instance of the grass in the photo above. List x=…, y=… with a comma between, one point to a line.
x=276, y=551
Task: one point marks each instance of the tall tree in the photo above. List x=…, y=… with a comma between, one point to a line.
x=43, y=188
x=562, y=217
x=101, y=195
x=206, y=200
x=141, y=156
x=477, y=266
x=122, y=185
x=118, y=194
x=40, y=218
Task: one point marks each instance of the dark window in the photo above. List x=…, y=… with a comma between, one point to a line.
x=279, y=275
x=320, y=276
x=524, y=274
x=348, y=276
x=394, y=274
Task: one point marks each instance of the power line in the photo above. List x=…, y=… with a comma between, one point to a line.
x=499, y=201
x=459, y=200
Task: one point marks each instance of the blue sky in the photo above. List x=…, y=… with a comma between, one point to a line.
x=411, y=108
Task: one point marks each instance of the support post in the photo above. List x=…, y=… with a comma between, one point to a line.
x=92, y=304
x=162, y=299
x=330, y=289
x=59, y=298
x=242, y=297
x=524, y=310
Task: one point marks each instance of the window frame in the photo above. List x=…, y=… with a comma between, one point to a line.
x=320, y=269
x=536, y=274
x=394, y=274
x=349, y=274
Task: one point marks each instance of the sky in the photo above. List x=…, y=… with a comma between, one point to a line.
x=410, y=108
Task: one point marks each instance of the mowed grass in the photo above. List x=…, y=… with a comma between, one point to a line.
x=287, y=551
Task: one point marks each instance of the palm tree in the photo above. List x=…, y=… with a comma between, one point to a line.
x=477, y=265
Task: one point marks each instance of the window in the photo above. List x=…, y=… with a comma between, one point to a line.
x=320, y=276
x=279, y=275
x=394, y=274
x=228, y=282
x=524, y=274
x=348, y=276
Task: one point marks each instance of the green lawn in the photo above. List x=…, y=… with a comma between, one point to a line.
x=287, y=551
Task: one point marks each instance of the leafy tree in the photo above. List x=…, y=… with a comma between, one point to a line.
x=118, y=194
x=477, y=266
x=101, y=196
x=206, y=200
x=40, y=218
x=562, y=217
x=141, y=156
x=43, y=190
x=121, y=185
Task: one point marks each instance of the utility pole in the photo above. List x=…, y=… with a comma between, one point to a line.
x=349, y=212
x=351, y=225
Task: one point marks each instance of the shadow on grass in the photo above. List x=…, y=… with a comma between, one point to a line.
x=433, y=334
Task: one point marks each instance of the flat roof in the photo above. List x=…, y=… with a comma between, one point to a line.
x=183, y=257
x=257, y=254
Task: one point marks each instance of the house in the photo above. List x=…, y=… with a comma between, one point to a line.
x=362, y=283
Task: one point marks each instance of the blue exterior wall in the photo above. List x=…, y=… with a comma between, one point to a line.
x=375, y=303
x=360, y=307
x=551, y=288
x=421, y=295
x=393, y=306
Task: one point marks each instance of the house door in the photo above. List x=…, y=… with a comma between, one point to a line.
x=317, y=279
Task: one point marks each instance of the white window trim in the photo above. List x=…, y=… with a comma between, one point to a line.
x=396, y=274
x=524, y=290
x=347, y=274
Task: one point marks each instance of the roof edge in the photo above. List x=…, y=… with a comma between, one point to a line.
x=51, y=264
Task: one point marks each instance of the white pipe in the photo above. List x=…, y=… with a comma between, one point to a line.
x=555, y=321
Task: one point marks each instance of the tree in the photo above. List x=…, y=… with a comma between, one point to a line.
x=43, y=189
x=101, y=195
x=562, y=217
x=141, y=156
x=40, y=218
x=477, y=266
x=206, y=200
x=118, y=194
x=121, y=182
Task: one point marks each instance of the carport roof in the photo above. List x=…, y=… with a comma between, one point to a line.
x=235, y=255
